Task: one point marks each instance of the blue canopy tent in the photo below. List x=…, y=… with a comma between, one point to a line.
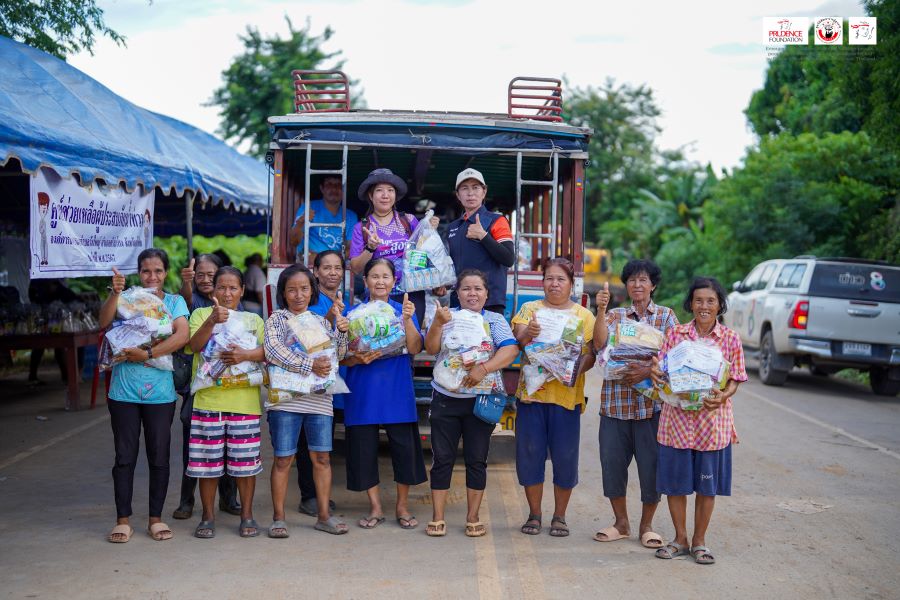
x=53, y=115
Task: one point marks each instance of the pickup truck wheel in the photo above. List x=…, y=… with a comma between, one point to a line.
x=881, y=384
x=767, y=355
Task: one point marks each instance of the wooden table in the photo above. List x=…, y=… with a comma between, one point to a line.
x=69, y=341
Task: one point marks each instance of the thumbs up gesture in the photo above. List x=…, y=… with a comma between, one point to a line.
x=219, y=313
x=534, y=328
x=476, y=231
x=187, y=273
x=118, y=282
x=442, y=315
x=336, y=310
x=409, y=309
x=602, y=299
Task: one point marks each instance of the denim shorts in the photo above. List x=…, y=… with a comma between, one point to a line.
x=284, y=427
x=542, y=431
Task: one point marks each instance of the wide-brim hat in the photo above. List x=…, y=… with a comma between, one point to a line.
x=381, y=176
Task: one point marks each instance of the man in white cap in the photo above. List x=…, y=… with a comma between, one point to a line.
x=481, y=239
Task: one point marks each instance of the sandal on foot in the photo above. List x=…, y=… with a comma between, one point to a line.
x=120, y=534
x=333, y=526
x=476, y=529
x=702, y=555
x=205, y=530
x=610, y=534
x=651, y=539
x=248, y=528
x=160, y=532
x=528, y=528
x=558, y=527
x=278, y=530
x=436, y=528
x=184, y=511
x=370, y=522
x=672, y=550
x=407, y=522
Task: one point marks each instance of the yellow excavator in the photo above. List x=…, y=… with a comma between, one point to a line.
x=598, y=270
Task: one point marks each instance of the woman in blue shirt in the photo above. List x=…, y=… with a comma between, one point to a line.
x=143, y=396
x=382, y=394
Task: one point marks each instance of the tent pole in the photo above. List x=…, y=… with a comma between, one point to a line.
x=189, y=222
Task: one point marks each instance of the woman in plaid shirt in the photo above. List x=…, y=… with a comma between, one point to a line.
x=695, y=446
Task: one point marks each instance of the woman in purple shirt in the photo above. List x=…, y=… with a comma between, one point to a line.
x=384, y=231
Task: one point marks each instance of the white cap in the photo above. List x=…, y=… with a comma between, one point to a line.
x=470, y=174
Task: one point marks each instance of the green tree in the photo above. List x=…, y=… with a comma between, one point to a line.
x=258, y=84
x=60, y=27
x=622, y=155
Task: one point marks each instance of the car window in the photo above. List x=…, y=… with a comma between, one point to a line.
x=751, y=279
x=875, y=283
x=765, y=277
x=791, y=275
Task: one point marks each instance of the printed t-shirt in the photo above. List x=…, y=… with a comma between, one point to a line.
x=244, y=401
x=393, y=236
x=134, y=382
x=325, y=238
x=554, y=392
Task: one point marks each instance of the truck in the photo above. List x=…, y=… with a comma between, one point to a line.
x=533, y=163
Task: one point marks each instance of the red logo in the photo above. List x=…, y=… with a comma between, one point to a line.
x=829, y=30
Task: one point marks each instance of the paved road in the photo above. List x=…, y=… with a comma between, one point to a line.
x=815, y=515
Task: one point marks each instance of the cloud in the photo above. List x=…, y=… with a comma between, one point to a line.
x=734, y=49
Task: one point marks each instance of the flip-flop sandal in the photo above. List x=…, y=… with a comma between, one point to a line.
x=476, y=529
x=438, y=528
x=406, y=522
x=647, y=539
x=370, y=522
x=528, y=528
x=205, y=530
x=120, y=530
x=672, y=550
x=610, y=534
x=332, y=526
x=278, y=530
x=160, y=532
x=561, y=530
x=248, y=524
x=702, y=555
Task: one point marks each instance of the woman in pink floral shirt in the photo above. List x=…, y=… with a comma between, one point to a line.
x=695, y=446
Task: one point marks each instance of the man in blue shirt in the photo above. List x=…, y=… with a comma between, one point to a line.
x=326, y=209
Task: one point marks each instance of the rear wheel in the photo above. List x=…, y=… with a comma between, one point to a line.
x=882, y=384
x=767, y=357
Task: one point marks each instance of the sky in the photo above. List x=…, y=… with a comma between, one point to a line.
x=703, y=60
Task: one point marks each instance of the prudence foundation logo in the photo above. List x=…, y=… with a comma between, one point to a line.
x=785, y=31
x=829, y=31
x=861, y=31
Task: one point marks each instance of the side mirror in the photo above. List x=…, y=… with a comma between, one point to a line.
x=737, y=287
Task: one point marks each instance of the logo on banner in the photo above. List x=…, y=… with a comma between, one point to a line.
x=861, y=31
x=828, y=31
x=785, y=31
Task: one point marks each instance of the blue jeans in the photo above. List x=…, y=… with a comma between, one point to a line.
x=284, y=427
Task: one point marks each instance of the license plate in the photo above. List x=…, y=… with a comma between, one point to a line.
x=857, y=349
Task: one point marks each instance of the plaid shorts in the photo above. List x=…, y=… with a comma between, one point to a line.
x=217, y=435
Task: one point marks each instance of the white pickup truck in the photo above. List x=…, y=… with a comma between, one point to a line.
x=826, y=313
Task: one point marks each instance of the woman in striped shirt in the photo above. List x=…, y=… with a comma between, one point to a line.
x=695, y=445
x=296, y=291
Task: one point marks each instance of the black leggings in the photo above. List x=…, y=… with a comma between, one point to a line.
x=126, y=419
x=452, y=418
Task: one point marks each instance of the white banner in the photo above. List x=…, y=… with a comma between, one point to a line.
x=81, y=232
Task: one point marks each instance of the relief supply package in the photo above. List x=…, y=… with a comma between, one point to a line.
x=426, y=264
x=375, y=326
x=556, y=352
x=693, y=370
x=236, y=332
x=307, y=337
x=141, y=319
x=465, y=342
x=629, y=342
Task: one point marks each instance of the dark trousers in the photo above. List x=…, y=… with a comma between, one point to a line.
x=304, y=462
x=127, y=418
x=227, y=485
x=452, y=419
x=622, y=440
x=362, y=455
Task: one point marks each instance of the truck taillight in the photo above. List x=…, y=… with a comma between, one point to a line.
x=800, y=315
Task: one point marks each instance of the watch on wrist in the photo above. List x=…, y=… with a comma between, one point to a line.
x=149, y=353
